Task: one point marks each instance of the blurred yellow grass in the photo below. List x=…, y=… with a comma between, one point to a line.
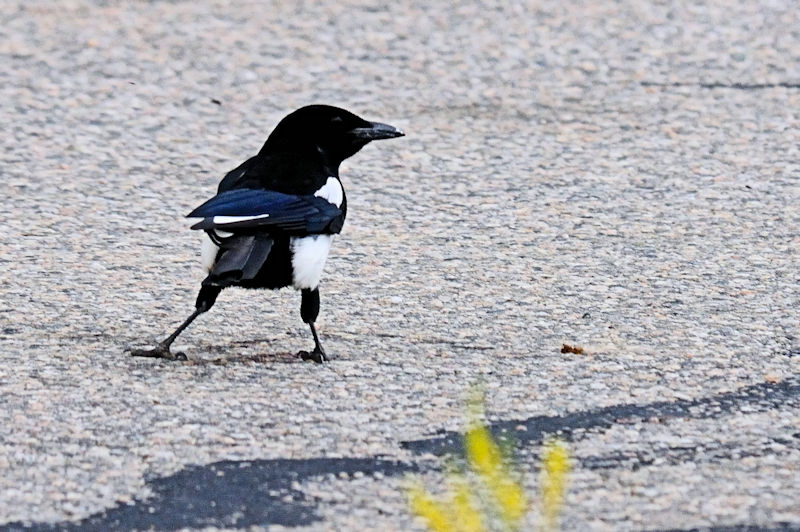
x=555, y=469
x=493, y=492
x=457, y=515
x=434, y=513
x=484, y=457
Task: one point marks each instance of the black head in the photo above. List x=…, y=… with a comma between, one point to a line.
x=334, y=133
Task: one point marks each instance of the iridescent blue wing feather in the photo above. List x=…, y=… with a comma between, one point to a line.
x=267, y=211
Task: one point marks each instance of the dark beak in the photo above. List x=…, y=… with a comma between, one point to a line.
x=377, y=131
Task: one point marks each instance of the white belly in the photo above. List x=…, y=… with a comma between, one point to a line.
x=308, y=258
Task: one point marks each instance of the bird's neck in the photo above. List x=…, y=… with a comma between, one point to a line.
x=307, y=154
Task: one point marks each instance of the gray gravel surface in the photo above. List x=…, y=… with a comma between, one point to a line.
x=620, y=176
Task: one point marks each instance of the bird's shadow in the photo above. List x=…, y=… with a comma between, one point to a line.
x=279, y=357
x=206, y=354
x=225, y=353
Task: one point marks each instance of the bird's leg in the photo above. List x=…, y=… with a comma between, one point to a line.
x=161, y=350
x=309, y=310
x=318, y=354
x=205, y=300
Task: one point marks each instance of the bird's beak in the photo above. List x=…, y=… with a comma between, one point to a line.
x=377, y=131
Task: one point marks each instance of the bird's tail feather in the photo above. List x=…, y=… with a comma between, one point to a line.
x=239, y=258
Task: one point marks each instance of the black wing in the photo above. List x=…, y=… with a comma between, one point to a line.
x=268, y=212
x=243, y=223
x=234, y=178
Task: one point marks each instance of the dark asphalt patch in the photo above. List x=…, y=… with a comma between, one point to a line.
x=721, y=85
x=260, y=492
x=780, y=527
x=707, y=453
x=225, y=494
x=758, y=397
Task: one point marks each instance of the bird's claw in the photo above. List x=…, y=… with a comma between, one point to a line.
x=159, y=351
x=317, y=355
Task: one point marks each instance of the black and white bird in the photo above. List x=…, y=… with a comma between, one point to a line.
x=274, y=216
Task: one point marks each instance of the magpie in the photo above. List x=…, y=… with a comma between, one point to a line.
x=274, y=216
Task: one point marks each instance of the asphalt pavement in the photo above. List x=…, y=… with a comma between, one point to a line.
x=623, y=177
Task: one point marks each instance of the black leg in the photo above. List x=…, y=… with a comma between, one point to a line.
x=309, y=310
x=318, y=354
x=205, y=300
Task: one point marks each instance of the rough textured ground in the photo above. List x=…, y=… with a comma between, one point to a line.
x=621, y=176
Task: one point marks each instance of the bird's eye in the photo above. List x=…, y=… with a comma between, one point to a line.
x=336, y=119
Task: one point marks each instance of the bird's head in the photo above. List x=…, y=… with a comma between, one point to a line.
x=334, y=133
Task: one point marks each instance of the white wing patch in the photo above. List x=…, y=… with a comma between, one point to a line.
x=221, y=220
x=331, y=191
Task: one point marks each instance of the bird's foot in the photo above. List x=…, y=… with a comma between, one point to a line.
x=159, y=351
x=317, y=355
